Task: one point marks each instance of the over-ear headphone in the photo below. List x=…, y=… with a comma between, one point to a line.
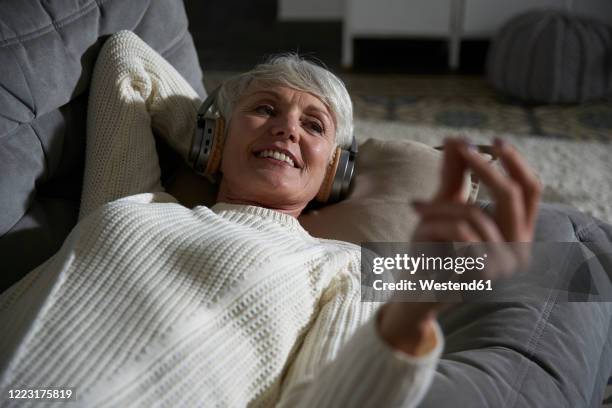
x=207, y=142
x=207, y=150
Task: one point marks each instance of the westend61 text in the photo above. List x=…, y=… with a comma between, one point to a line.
x=432, y=285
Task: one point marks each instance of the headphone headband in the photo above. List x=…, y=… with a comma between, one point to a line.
x=208, y=102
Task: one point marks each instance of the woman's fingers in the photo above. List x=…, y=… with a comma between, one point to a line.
x=451, y=222
x=520, y=171
x=509, y=198
x=483, y=226
x=516, y=193
x=453, y=169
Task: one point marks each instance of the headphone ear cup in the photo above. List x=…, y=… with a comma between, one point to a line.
x=216, y=151
x=328, y=181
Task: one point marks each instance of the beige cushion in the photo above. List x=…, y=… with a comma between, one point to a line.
x=388, y=176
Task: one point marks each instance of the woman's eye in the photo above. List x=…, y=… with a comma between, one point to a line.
x=266, y=109
x=316, y=127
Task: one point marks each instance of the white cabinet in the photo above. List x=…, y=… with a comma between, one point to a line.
x=398, y=17
x=393, y=18
x=311, y=10
x=452, y=20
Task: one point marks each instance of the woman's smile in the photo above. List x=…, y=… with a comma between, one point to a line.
x=277, y=153
x=276, y=162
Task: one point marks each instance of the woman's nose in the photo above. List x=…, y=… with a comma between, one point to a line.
x=287, y=126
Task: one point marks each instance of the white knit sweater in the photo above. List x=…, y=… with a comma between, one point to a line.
x=151, y=303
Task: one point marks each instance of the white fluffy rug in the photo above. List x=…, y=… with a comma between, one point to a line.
x=578, y=174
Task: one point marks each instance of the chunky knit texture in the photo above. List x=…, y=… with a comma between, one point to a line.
x=149, y=303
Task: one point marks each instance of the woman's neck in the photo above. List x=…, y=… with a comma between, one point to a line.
x=293, y=211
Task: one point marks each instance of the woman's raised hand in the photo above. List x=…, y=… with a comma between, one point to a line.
x=447, y=218
x=517, y=195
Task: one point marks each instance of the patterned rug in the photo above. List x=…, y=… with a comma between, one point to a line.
x=469, y=102
x=465, y=102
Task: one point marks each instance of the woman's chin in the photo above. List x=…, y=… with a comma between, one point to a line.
x=277, y=179
x=276, y=193
x=269, y=187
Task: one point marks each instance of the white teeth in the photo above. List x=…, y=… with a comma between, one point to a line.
x=276, y=155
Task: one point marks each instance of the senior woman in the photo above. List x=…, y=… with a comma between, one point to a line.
x=149, y=302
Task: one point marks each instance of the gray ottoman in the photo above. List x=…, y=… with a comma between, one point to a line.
x=552, y=56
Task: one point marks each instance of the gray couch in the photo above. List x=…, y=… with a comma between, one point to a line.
x=47, y=53
x=545, y=353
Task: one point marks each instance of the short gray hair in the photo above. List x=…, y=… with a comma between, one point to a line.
x=293, y=71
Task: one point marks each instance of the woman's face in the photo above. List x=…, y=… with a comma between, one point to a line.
x=277, y=149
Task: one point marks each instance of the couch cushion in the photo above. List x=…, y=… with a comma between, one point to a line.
x=47, y=54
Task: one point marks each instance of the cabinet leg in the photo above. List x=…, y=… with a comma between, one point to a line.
x=347, y=47
x=457, y=17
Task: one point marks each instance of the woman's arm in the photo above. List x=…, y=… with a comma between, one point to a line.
x=345, y=363
x=133, y=91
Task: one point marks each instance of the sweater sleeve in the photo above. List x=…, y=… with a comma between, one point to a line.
x=134, y=91
x=343, y=362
